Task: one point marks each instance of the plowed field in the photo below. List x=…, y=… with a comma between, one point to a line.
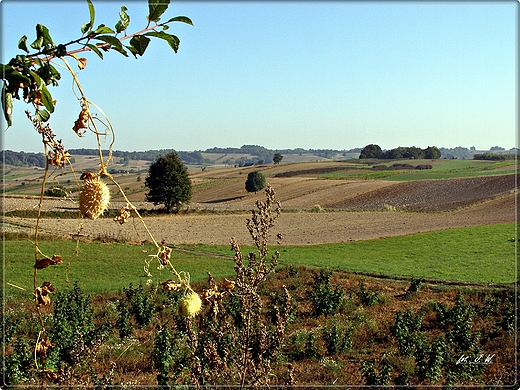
x=356, y=211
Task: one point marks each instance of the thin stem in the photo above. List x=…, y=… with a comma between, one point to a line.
x=99, y=45
x=246, y=348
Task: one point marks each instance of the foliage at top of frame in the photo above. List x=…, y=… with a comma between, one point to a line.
x=27, y=75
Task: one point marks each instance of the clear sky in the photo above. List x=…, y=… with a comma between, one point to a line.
x=321, y=75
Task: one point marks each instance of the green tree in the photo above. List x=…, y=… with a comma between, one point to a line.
x=255, y=182
x=168, y=182
x=432, y=152
x=277, y=158
x=371, y=151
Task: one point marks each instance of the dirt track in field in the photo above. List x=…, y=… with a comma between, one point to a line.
x=438, y=204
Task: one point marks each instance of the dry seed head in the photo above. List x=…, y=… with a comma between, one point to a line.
x=94, y=197
x=190, y=305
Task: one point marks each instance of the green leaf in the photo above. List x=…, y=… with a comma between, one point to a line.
x=14, y=77
x=22, y=44
x=43, y=37
x=113, y=41
x=44, y=31
x=37, y=44
x=43, y=115
x=92, y=13
x=95, y=49
x=156, y=8
x=124, y=20
x=85, y=27
x=121, y=50
x=172, y=40
x=46, y=96
x=102, y=29
x=183, y=19
x=139, y=43
x=7, y=104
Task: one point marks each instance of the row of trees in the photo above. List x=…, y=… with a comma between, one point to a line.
x=412, y=152
x=22, y=159
x=38, y=159
x=494, y=156
x=149, y=155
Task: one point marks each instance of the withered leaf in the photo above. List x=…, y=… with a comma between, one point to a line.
x=42, y=347
x=170, y=285
x=42, y=293
x=227, y=284
x=82, y=63
x=44, y=263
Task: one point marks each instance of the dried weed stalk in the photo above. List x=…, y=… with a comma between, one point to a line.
x=234, y=342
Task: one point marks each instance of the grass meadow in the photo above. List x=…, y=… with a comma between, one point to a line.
x=480, y=254
x=441, y=169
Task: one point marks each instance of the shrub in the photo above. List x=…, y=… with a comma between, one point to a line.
x=19, y=364
x=457, y=323
x=366, y=297
x=376, y=376
x=237, y=338
x=56, y=192
x=406, y=330
x=429, y=360
x=324, y=298
x=123, y=320
x=142, y=306
x=415, y=284
x=73, y=332
x=303, y=345
x=170, y=355
x=337, y=340
x=255, y=182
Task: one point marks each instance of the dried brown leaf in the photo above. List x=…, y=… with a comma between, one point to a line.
x=170, y=285
x=44, y=263
x=42, y=293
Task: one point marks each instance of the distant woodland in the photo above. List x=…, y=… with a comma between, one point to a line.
x=256, y=154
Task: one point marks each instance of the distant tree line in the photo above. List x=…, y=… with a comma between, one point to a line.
x=494, y=156
x=262, y=155
x=38, y=159
x=375, y=151
x=149, y=155
x=22, y=159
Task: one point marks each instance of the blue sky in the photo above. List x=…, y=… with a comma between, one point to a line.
x=321, y=75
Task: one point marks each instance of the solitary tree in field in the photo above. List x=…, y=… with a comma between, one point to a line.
x=277, y=158
x=168, y=182
x=255, y=182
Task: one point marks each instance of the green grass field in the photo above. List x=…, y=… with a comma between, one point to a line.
x=482, y=254
x=442, y=169
x=98, y=267
x=479, y=254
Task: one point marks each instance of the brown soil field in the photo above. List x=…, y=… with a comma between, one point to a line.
x=356, y=211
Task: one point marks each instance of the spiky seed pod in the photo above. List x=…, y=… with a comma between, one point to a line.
x=190, y=305
x=94, y=197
